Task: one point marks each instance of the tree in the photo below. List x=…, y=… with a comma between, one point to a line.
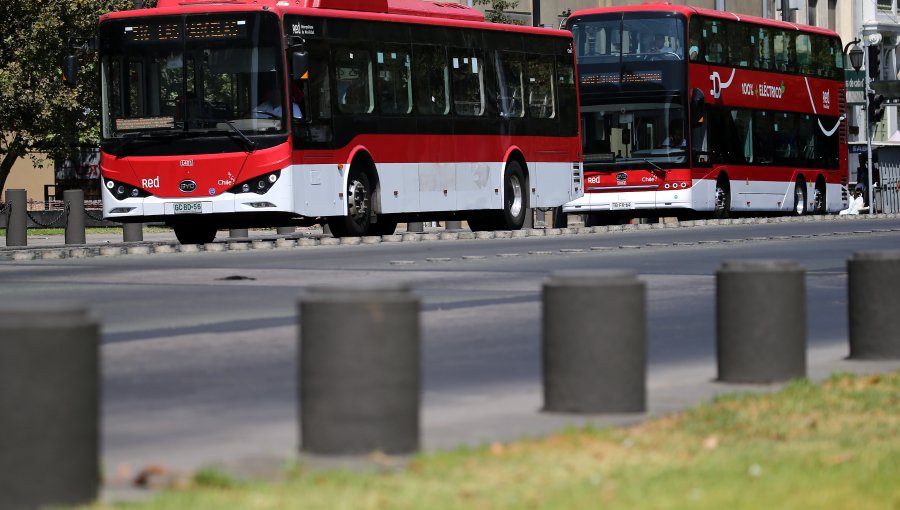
x=497, y=12
x=37, y=111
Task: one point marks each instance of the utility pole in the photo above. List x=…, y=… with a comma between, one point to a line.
x=785, y=10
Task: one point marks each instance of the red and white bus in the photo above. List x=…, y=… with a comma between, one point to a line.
x=359, y=113
x=688, y=109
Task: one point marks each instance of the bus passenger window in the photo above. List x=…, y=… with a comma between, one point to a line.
x=468, y=83
x=353, y=73
x=431, y=80
x=541, y=101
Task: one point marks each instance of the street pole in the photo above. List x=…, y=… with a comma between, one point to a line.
x=869, y=188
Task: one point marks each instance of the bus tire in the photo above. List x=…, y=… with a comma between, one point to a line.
x=722, y=206
x=194, y=234
x=359, y=199
x=385, y=226
x=800, y=198
x=820, y=202
x=515, y=200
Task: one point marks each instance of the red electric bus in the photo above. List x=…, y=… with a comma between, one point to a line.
x=358, y=114
x=687, y=109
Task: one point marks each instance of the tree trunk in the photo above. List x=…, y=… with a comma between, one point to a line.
x=13, y=153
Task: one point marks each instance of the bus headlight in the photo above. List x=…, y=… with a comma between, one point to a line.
x=122, y=190
x=259, y=184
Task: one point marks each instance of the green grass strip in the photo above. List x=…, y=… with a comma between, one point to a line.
x=832, y=445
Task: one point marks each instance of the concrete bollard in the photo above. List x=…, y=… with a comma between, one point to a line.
x=132, y=232
x=594, y=342
x=360, y=371
x=285, y=230
x=874, y=301
x=239, y=233
x=16, y=218
x=529, y=218
x=453, y=225
x=760, y=321
x=415, y=226
x=49, y=407
x=75, y=217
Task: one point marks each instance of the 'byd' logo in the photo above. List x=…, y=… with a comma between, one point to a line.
x=187, y=186
x=621, y=178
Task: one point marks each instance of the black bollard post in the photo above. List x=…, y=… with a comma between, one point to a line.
x=74, y=201
x=239, y=233
x=594, y=342
x=133, y=232
x=415, y=227
x=16, y=218
x=874, y=301
x=360, y=371
x=49, y=407
x=760, y=321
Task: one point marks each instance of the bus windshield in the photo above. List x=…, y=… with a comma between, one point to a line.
x=616, y=39
x=633, y=135
x=201, y=74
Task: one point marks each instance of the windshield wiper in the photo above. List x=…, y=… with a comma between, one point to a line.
x=249, y=144
x=659, y=170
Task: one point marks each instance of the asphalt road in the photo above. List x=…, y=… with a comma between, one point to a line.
x=199, y=349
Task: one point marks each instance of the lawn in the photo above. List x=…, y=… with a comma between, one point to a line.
x=831, y=445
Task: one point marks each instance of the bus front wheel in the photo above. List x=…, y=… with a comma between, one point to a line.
x=359, y=197
x=194, y=234
x=723, y=199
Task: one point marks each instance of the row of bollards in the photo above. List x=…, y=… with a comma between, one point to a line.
x=360, y=372
x=73, y=212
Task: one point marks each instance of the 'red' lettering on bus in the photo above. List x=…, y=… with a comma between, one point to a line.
x=150, y=183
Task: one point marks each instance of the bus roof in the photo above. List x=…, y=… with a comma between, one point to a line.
x=691, y=11
x=446, y=13
x=450, y=10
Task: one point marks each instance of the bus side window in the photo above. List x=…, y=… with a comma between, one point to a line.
x=431, y=81
x=467, y=70
x=541, y=99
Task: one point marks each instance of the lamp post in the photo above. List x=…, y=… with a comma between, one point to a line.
x=856, y=60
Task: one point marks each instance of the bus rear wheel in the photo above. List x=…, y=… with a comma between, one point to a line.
x=194, y=234
x=515, y=201
x=819, y=201
x=359, y=197
x=800, y=198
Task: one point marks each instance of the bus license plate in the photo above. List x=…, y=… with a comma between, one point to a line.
x=615, y=206
x=188, y=207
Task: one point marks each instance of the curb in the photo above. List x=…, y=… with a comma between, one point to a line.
x=294, y=241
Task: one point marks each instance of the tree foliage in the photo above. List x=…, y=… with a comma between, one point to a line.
x=497, y=11
x=38, y=112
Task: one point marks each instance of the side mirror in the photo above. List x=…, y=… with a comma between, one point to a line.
x=299, y=64
x=70, y=70
x=697, y=110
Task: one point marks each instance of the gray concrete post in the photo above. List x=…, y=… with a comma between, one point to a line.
x=239, y=233
x=453, y=225
x=415, y=226
x=16, y=218
x=529, y=218
x=326, y=230
x=760, y=321
x=874, y=302
x=75, y=218
x=360, y=371
x=133, y=232
x=285, y=230
x=594, y=342
x=49, y=407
